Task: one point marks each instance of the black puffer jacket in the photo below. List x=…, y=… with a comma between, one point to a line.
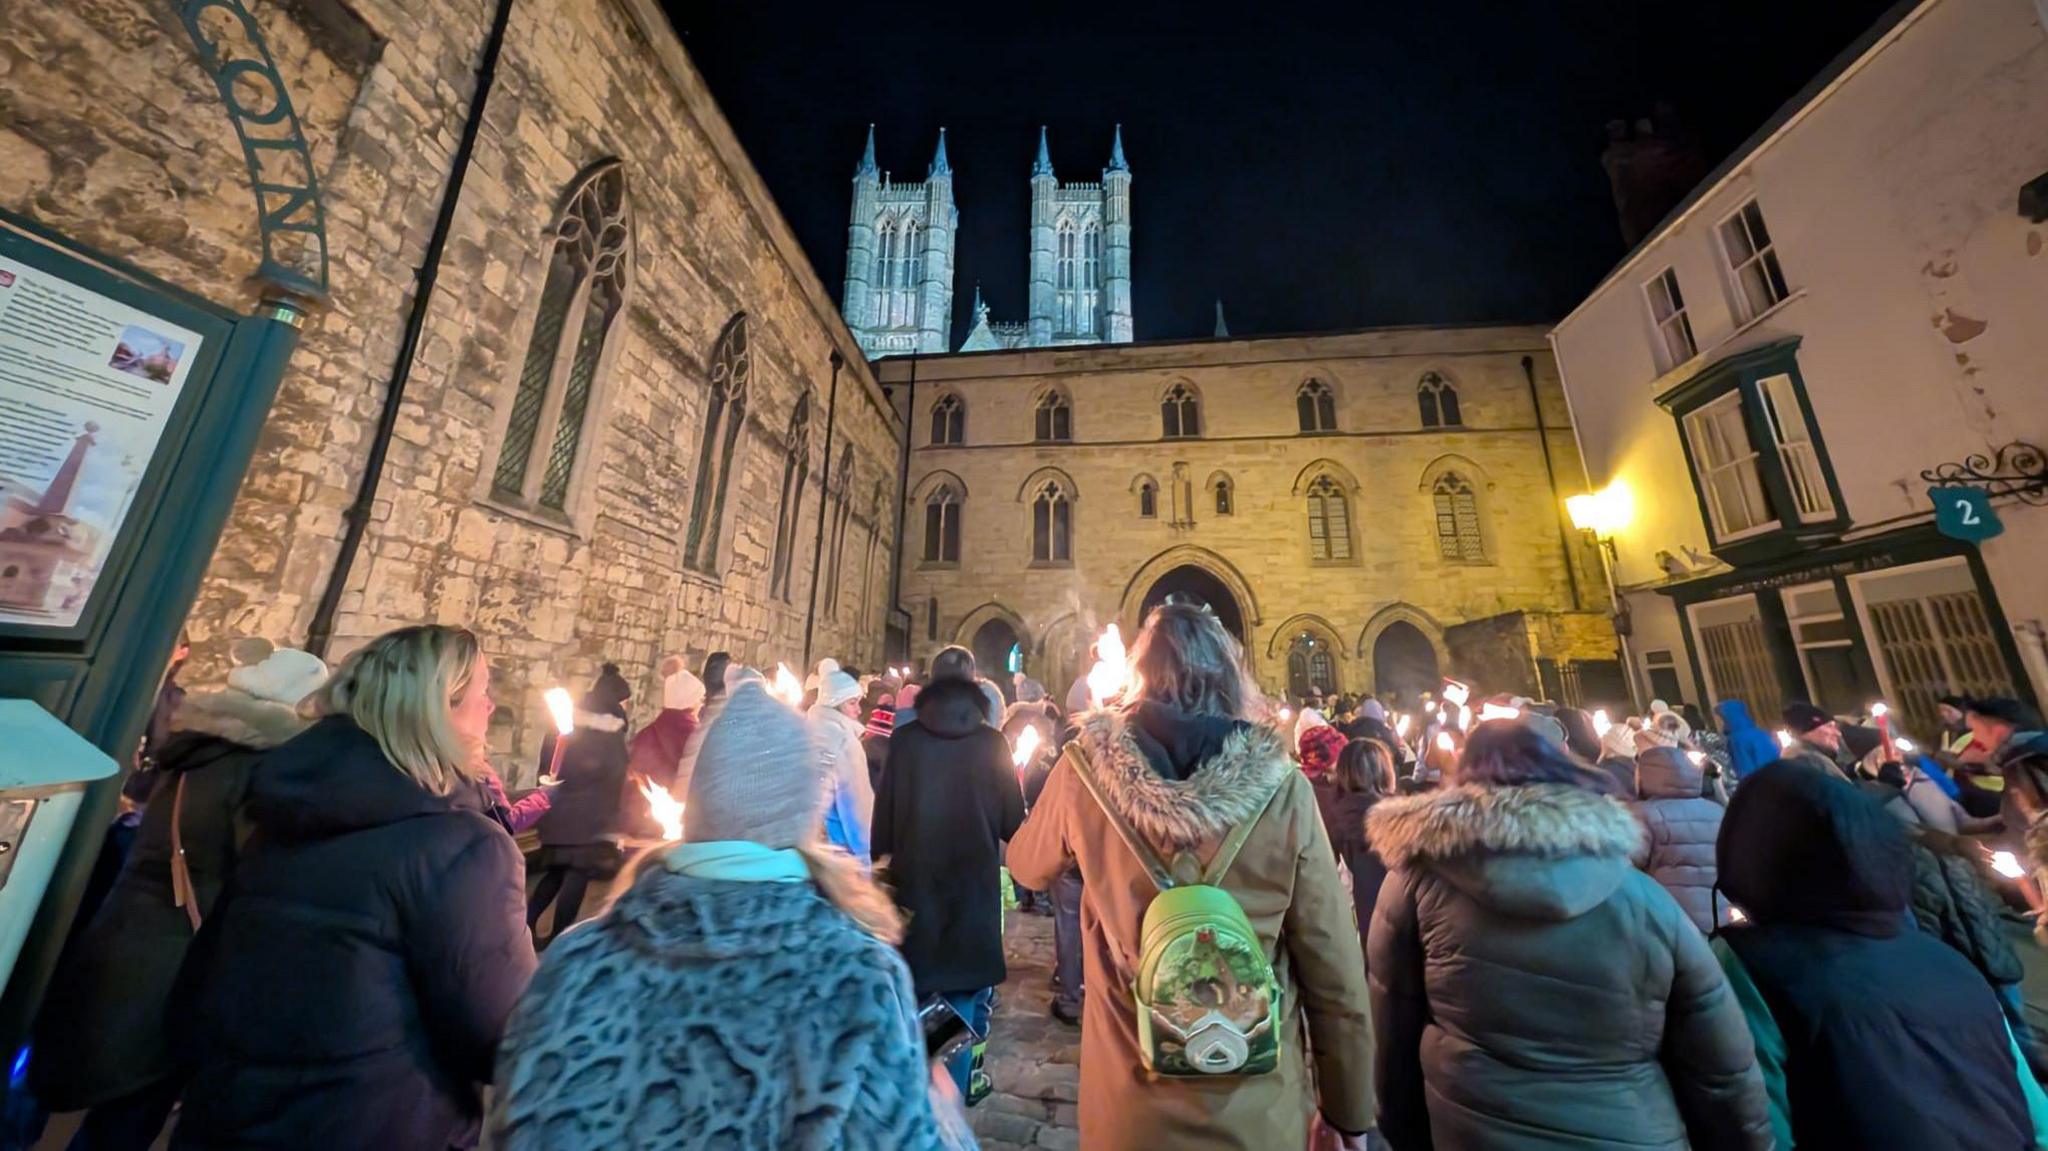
x=349, y=991
x=948, y=800
x=1344, y=818
x=1892, y=1038
x=592, y=805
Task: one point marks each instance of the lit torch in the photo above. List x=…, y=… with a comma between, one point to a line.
x=666, y=809
x=1489, y=711
x=2007, y=864
x=562, y=710
x=788, y=688
x=1882, y=714
x=1784, y=740
x=1601, y=724
x=1401, y=725
x=1111, y=675
x=1444, y=742
x=1028, y=741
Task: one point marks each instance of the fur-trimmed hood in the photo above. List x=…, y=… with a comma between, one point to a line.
x=239, y=718
x=1543, y=851
x=1180, y=814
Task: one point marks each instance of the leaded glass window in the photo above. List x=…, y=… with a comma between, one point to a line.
x=725, y=414
x=1316, y=407
x=796, y=469
x=1458, y=537
x=1329, y=521
x=1052, y=525
x=589, y=272
x=1438, y=401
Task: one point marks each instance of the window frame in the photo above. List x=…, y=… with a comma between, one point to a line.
x=1320, y=491
x=946, y=503
x=1315, y=407
x=1766, y=257
x=1667, y=357
x=1148, y=500
x=1183, y=398
x=1052, y=534
x=956, y=423
x=1460, y=553
x=730, y=380
x=1431, y=391
x=1052, y=418
x=1223, y=494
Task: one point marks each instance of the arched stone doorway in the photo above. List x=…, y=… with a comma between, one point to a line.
x=1190, y=584
x=993, y=645
x=1403, y=662
x=1311, y=667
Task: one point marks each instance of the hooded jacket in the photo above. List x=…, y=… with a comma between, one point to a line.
x=100, y=1034
x=948, y=799
x=1682, y=826
x=1531, y=989
x=349, y=990
x=850, y=814
x=591, y=806
x=1891, y=1038
x=707, y=1012
x=1749, y=747
x=1183, y=782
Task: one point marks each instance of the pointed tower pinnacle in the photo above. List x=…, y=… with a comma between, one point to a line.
x=1043, y=167
x=1116, y=152
x=980, y=309
x=939, y=166
x=1222, y=329
x=867, y=158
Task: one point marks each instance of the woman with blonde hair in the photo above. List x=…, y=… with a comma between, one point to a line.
x=349, y=989
x=744, y=990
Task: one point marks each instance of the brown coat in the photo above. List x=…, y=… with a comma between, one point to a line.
x=1286, y=879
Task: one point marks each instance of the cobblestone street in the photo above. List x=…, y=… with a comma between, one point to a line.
x=1033, y=1060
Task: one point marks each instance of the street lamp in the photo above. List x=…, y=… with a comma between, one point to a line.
x=1600, y=516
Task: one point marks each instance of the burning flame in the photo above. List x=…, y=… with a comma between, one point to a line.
x=1464, y=718
x=666, y=809
x=1489, y=711
x=2007, y=864
x=1735, y=915
x=1878, y=710
x=787, y=687
x=1111, y=674
x=1444, y=742
x=1457, y=692
x=1699, y=758
x=1286, y=713
x=1601, y=724
x=561, y=709
x=1401, y=725
x=1784, y=740
x=1027, y=746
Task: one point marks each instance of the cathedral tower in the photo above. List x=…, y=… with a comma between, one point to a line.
x=1080, y=254
x=899, y=257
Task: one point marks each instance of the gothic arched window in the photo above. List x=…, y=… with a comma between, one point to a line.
x=725, y=414
x=885, y=270
x=1311, y=668
x=1439, y=402
x=949, y=420
x=1329, y=521
x=1052, y=525
x=908, y=293
x=1225, y=497
x=1055, y=420
x=1316, y=406
x=796, y=468
x=942, y=526
x=842, y=512
x=1180, y=413
x=590, y=270
x=1063, y=282
x=867, y=569
x=1148, y=500
x=1458, y=537
x=1091, y=277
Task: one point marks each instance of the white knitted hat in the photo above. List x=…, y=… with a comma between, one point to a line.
x=681, y=691
x=285, y=676
x=837, y=687
x=758, y=776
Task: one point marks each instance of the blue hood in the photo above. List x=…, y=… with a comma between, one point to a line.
x=1749, y=746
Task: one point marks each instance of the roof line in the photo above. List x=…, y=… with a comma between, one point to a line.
x=1846, y=63
x=1263, y=337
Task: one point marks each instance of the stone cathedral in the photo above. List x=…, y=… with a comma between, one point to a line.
x=899, y=260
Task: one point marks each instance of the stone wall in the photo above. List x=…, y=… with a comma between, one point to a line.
x=1379, y=454
x=113, y=136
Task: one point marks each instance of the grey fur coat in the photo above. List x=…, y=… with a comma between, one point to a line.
x=701, y=1013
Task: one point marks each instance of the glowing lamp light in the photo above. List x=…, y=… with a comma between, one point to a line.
x=1401, y=725
x=1444, y=742
x=2007, y=864
x=1027, y=746
x=1601, y=724
x=1784, y=740
x=1111, y=674
x=1286, y=713
x=665, y=809
x=1489, y=711
x=787, y=687
x=1699, y=758
x=1905, y=745
x=560, y=709
x=1605, y=513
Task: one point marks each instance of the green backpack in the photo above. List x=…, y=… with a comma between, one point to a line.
x=1208, y=1002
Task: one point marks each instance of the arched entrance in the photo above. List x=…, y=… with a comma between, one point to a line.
x=998, y=651
x=1311, y=667
x=1190, y=584
x=1403, y=662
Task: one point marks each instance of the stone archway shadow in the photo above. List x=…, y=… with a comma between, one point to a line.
x=1405, y=614
x=1130, y=604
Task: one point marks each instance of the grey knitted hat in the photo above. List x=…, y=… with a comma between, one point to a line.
x=757, y=778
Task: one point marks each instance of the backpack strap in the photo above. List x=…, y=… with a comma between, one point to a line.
x=182, y=893
x=1234, y=843
x=1148, y=858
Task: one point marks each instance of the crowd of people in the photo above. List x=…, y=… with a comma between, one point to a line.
x=1313, y=923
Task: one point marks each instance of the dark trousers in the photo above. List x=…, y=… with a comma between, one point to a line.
x=564, y=887
x=1066, y=939
x=130, y=1123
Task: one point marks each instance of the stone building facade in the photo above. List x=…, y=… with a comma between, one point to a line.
x=631, y=400
x=1366, y=509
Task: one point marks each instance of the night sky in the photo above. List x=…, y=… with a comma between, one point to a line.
x=1316, y=166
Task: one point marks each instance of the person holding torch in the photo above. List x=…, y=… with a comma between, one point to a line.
x=582, y=835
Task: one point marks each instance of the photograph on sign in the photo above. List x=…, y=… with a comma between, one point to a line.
x=86, y=386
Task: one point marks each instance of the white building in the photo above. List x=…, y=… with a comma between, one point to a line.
x=1851, y=310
